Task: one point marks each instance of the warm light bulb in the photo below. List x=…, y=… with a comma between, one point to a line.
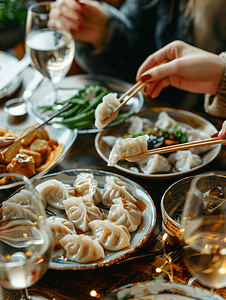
x=158, y=270
x=93, y=293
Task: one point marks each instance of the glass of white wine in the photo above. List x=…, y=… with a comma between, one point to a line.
x=25, y=239
x=203, y=229
x=51, y=50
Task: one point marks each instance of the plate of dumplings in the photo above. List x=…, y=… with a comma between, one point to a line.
x=97, y=218
x=158, y=127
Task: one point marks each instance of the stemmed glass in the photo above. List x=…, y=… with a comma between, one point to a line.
x=204, y=229
x=51, y=50
x=25, y=239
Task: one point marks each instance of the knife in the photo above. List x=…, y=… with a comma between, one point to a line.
x=14, y=71
x=37, y=127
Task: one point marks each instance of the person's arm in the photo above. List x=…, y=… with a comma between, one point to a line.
x=189, y=68
x=5, y=141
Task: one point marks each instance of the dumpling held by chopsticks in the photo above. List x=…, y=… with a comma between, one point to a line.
x=103, y=111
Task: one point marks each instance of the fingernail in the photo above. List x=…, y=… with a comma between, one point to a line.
x=8, y=138
x=71, y=30
x=78, y=11
x=145, y=77
x=145, y=89
x=214, y=135
x=80, y=27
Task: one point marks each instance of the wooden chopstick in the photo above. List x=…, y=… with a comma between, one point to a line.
x=133, y=90
x=130, y=93
x=178, y=147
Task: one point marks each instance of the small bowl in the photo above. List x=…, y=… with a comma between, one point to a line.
x=172, y=204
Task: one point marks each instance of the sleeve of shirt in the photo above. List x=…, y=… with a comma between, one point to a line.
x=216, y=104
x=121, y=53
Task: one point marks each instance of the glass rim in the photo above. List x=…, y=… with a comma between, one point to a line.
x=22, y=177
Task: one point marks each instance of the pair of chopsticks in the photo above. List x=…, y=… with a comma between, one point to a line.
x=130, y=93
x=37, y=127
x=178, y=147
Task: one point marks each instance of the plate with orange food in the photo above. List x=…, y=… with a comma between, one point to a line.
x=37, y=153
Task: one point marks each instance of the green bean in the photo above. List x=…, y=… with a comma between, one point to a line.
x=78, y=118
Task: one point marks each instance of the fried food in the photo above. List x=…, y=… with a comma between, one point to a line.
x=31, y=155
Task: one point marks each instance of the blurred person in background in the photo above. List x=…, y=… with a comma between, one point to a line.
x=115, y=41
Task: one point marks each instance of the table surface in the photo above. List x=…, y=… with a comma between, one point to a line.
x=77, y=284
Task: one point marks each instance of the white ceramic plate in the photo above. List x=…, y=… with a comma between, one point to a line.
x=160, y=291
x=41, y=96
x=57, y=132
x=181, y=116
x=7, y=61
x=137, y=238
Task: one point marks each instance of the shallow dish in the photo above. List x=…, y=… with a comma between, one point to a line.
x=7, y=61
x=138, y=238
x=181, y=116
x=57, y=132
x=160, y=291
x=71, y=85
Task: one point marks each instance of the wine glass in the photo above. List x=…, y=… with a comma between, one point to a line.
x=51, y=50
x=203, y=229
x=25, y=239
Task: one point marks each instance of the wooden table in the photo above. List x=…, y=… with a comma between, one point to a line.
x=71, y=284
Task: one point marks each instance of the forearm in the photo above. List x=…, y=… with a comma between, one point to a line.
x=216, y=104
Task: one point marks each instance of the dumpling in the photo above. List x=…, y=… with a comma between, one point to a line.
x=164, y=121
x=115, y=188
x=82, y=248
x=128, y=147
x=109, y=103
x=139, y=125
x=155, y=164
x=60, y=227
x=110, y=140
x=86, y=186
x=80, y=212
x=55, y=192
x=111, y=236
x=184, y=160
x=197, y=135
x=124, y=212
x=21, y=206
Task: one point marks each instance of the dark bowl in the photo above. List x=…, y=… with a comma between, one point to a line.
x=10, y=36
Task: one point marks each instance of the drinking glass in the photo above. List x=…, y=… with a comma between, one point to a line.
x=25, y=239
x=204, y=229
x=51, y=50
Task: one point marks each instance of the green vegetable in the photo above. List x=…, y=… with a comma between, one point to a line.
x=84, y=103
x=180, y=135
x=13, y=12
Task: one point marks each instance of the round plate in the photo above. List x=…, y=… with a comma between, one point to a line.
x=161, y=291
x=7, y=61
x=181, y=116
x=39, y=97
x=57, y=132
x=137, y=238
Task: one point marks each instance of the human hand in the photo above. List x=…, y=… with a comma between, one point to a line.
x=5, y=141
x=189, y=68
x=86, y=20
x=222, y=133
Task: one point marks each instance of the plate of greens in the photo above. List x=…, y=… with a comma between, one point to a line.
x=85, y=93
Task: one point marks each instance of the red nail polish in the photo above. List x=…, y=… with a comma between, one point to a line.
x=78, y=11
x=145, y=77
x=80, y=27
x=145, y=89
x=214, y=135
